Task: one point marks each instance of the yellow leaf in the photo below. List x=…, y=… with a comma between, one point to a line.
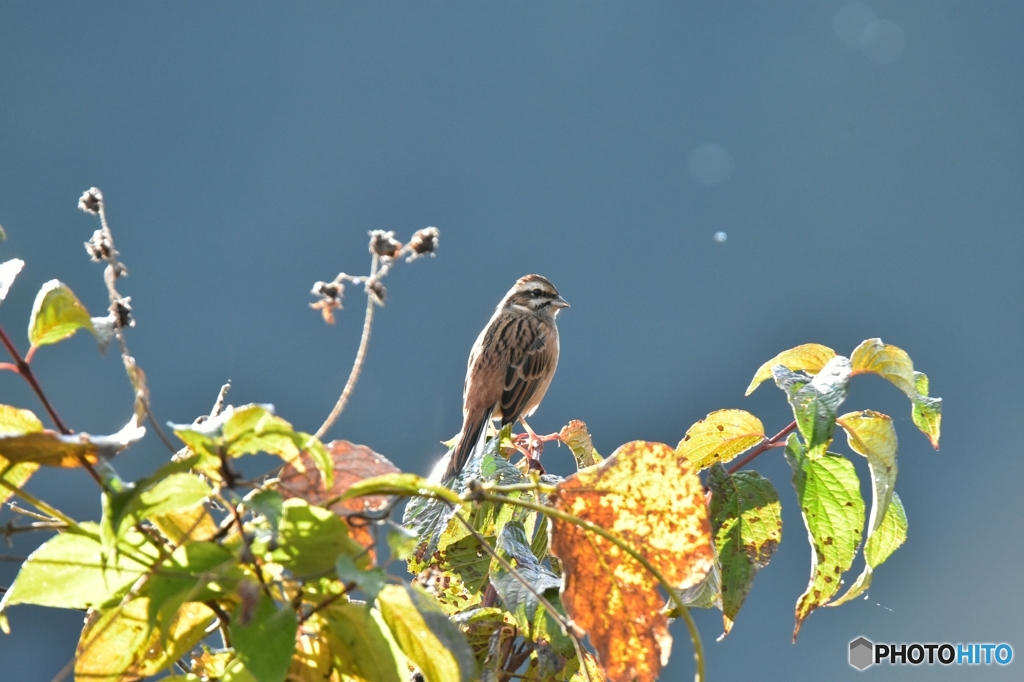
x=16, y=421
x=719, y=437
x=186, y=525
x=887, y=361
x=647, y=495
x=311, y=661
x=810, y=357
x=119, y=645
x=575, y=435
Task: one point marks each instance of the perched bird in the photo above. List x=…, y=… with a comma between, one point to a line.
x=510, y=365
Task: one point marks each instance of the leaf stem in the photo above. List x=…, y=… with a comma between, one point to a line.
x=357, y=366
x=39, y=504
x=772, y=442
x=698, y=648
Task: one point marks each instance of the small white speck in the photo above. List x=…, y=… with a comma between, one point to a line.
x=721, y=237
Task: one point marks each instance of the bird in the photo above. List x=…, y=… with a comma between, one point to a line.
x=510, y=365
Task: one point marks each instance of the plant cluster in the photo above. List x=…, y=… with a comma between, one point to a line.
x=516, y=575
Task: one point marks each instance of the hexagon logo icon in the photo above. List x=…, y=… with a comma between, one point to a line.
x=862, y=653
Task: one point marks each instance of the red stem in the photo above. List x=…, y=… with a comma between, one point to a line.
x=772, y=442
x=23, y=368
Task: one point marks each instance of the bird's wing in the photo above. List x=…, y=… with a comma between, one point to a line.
x=524, y=373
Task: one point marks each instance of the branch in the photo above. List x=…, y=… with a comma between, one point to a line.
x=773, y=442
x=357, y=366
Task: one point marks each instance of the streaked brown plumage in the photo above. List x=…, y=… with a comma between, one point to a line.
x=511, y=363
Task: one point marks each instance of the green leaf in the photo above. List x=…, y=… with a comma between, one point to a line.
x=8, y=272
x=250, y=429
x=456, y=572
x=69, y=570
x=533, y=619
x=833, y=511
x=170, y=488
x=927, y=412
x=311, y=538
x=176, y=491
x=746, y=519
x=431, y=641
x=56, y=314
x=810, y=357
x=195, y=572
x=269, y=504
x=361, y=645
x=400, y=484
x=815, y=400
x=514, y=547
x=720, y=437
x=265, y=641
x=369, y=581
x=879, y=547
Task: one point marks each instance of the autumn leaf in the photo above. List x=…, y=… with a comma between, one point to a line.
x=647, y=495
x=810, y=357
x=352, y=463
x=720, y=437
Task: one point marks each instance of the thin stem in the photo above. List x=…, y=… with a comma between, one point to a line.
x=765, y=445
x=22, y=368
x=357, y=366
x=25, y=371
x=10, y=529
x=39, y=504
x=698, y=648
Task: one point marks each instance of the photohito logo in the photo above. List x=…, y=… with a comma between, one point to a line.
x=865, y=653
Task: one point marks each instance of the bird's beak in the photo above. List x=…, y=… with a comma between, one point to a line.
x=560, y=303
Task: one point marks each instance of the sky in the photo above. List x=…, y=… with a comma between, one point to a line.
x=707, y=184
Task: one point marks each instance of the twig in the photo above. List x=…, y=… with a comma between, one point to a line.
x=772, y=442
x=39, y=504
x=223, y=621
x=357, y=366
x=103, y=250
x=25, y=371
x=10, y=529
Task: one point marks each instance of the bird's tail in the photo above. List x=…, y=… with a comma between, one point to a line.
x=468, y=441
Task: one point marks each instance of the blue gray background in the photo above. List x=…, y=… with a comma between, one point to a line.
x=864, y=162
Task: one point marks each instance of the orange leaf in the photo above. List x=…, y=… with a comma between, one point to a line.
x=352, y=463
x=648, y=496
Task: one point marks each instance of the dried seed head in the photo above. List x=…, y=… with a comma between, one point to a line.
x=384, y=243
x=99, y=247
x=331, y=295
x=91, y=201
x=123, y=309
x=375, y=290
x=423, y=242
x=332, y=290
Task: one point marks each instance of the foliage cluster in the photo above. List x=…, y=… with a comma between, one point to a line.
x=195, y=571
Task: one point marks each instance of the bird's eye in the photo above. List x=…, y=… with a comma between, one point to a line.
x=536, y=293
